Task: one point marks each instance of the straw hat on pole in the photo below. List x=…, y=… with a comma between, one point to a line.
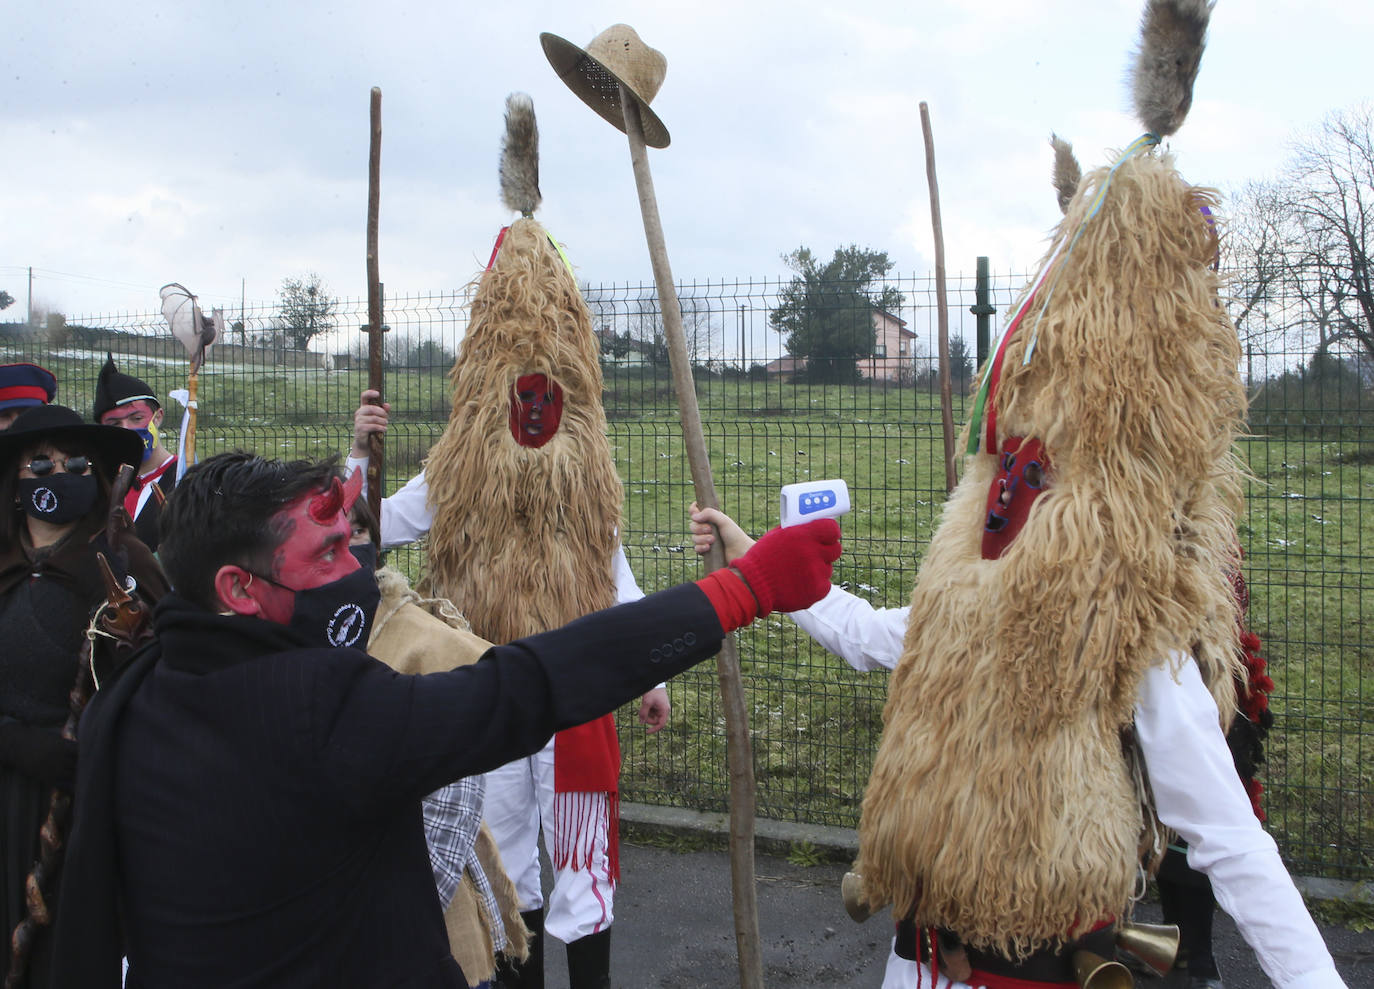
x=616, y=57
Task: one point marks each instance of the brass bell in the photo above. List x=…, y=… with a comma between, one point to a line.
x=855, y=901
x=1092, y=971
x=1154, y=944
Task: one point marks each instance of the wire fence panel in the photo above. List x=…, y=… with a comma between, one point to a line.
x=874, y=420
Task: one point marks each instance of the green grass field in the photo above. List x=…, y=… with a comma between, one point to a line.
x=1307, y=533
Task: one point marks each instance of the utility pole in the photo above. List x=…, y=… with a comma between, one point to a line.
x=29, y=318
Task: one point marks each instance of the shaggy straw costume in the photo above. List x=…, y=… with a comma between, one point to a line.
x=1000, y=805
x=523, y=538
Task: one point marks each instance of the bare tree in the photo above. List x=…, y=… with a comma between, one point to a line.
x=628, y=324
x=1333, y=203
x=1254, y=257
x=1298, y=246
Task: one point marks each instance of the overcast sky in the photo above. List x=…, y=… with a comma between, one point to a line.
x=225, y=143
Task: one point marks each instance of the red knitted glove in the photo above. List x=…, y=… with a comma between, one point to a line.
x=789, y=569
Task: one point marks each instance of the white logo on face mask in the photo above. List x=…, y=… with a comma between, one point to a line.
x=44, y=500
x=347, y=625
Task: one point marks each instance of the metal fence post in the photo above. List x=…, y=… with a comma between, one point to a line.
x=982, y=309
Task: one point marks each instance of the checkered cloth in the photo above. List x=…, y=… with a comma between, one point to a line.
x=453, y=816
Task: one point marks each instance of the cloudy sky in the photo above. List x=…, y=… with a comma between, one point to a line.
x=224, y=145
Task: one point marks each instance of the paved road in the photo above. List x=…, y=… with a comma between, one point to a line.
x=674, y=930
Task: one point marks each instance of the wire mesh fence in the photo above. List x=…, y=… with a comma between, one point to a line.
x=875, y=420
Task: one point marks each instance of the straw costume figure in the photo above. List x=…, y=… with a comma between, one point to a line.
x=525, y=504
x=1077, y=587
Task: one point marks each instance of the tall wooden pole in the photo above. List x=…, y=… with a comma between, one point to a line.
x=740, y=751
x=941, y=303
x=375, y=441
x=192, y=387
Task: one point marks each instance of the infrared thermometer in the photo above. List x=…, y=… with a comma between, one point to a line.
x=807, y=500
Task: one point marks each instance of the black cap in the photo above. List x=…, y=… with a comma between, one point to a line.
x=113, y=389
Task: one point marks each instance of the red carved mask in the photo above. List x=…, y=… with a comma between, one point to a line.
x=536, y=407
x=1021, y=478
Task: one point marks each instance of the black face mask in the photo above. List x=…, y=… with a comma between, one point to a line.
x=336, y=614
x=366, y=555
x=58, y=498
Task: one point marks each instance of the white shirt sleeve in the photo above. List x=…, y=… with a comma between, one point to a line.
x=865, y=637
x=626, y=587
x=1199, y=795
x=405, y=515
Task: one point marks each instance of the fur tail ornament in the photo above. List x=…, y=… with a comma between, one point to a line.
x=520, y=156
x=1172, y=36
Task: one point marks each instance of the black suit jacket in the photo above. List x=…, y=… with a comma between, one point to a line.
x=254, y=806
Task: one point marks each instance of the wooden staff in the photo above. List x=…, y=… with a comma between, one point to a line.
x=740, y=751
x=192, y=383
x=941, y=303
x=376, y=448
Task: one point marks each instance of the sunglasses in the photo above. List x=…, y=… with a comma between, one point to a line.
x=43, y=466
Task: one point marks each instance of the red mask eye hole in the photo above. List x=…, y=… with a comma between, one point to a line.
x=1008, y=462
x=1034, y=474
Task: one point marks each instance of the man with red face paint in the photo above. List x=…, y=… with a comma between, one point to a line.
x=249, y=786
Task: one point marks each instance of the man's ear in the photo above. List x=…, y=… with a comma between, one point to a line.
x=232, y=587
x=158, y=416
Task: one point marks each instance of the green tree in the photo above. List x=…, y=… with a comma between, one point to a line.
x=960, y=365
x=6, y=300
x=431, y=353
x=306, y=308
x=826, y=311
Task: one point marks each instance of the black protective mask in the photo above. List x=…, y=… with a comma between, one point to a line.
x=58, y=498
x=366, y=555
x=337, y=614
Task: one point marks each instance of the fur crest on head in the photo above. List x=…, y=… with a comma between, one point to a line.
x=520, y=156
x=1173, y=34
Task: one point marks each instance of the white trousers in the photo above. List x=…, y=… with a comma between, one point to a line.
x=519, y=802
x=901, y=973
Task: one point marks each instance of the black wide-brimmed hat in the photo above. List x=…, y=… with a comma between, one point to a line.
x=115, y=388
x=111, y=446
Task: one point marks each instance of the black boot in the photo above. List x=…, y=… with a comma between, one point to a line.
x=528, y=974
x=589, y=961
